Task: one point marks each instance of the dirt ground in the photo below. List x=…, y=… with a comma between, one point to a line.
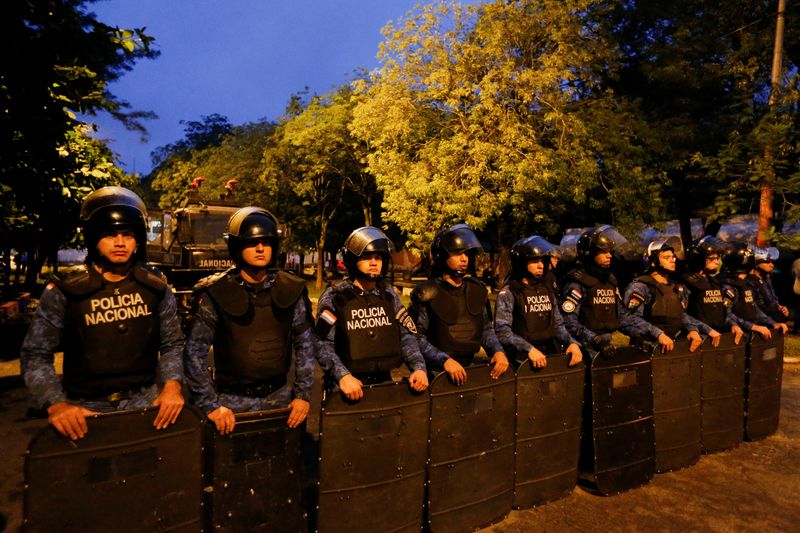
x=755, y=487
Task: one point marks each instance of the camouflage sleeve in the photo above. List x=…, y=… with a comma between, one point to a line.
x=198, y=374
x=409, y=346
x=325, y=337
x=303, y=350
x=489, y=338
x=503, y=320
x=562, y=334
x=170, y=361
x=36, y=356
x=633, y=325
x=766, y=299
x=571, y=299
x=637, y=297
x=434, y=357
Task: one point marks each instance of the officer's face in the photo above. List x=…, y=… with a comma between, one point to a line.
x=667, y=260
x=117, y=247
x=603, y=259
x=370, y=264
x=458, y=262
x=536, y=267
x=767, y=267
x=713, y=263
x=257, y=255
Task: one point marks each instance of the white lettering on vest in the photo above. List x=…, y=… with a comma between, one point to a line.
x=372, y=317
x=116, y=308
x=538, y=304
x=712, y=297
x=604, y=297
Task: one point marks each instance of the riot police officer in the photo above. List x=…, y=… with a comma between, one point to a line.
x=591, y=302
x=117, y=321
x=452, y=309
x=362, y=330
x=739, y=294
x=662, y=302
x=761, y=280
x=706, y=302
x=527, y=320
x=253, y=317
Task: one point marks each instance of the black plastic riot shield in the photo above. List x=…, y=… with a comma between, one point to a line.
x=763, y=390
x=372, y=460
x=618, y=441
x=471, y=450
x=124, y=474
x=256, y=474
x=549, y=403
x=676, y=406
x=722, y=394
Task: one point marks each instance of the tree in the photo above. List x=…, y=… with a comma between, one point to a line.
x=57, y=61
x=482, y=111
x=178, y=164
x=316, y=155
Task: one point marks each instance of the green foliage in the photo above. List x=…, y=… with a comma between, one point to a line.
x=57, y=62
x=484, y=110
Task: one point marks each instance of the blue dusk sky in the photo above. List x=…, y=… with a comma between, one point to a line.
x=240, y=58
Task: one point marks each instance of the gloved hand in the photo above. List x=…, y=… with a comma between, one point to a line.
x=608, y=351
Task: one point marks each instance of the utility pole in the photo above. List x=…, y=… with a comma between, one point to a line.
x=766, y=211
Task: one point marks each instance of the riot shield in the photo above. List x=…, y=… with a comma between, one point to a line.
x=549, y=403
x=676, y=406
x=123, y=474
x=618, y=441
x=471, y=450
x=763, y=390
x=256, y=475
x=372, y=460
x=722, y=394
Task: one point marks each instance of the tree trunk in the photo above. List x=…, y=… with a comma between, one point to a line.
x=321, y=252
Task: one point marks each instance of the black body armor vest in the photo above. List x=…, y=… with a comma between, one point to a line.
x=455, y=322
x=111, y=332
x=534, y=319
x=665, y=308
x=599, y=304
x=252, y=342
x=705, y=301
x=367, y=332
x=745, y=304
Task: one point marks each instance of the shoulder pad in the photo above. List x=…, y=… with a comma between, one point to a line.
x=647, y=279
x=79, y=283
x=150, y=276
x=342, y=295
x=693, y=279
x=229, y=295
x=287, y=289
x=425, y=292
x=514, y=286
x=208, y=281
x=583, y=278
x=476, y=295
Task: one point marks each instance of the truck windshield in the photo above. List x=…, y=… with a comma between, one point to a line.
x=209, y=229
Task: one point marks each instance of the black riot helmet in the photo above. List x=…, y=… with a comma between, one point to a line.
x=366, y=240
x=738, y=258
x=456, y=239
x=111, y=209
x=600, y=239
x=765, y=255
x=249, y=225
x=533, y=247
x=702, y=249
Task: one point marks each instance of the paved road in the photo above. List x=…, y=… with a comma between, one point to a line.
x=755, y=487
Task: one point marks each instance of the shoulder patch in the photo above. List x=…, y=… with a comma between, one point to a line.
x=328, y=316
x=405, y=320
x=575, y=294
x=568, y=306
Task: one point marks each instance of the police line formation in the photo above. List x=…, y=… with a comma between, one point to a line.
x=557, y=402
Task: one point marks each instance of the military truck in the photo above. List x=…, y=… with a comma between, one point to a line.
x=188, y=244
